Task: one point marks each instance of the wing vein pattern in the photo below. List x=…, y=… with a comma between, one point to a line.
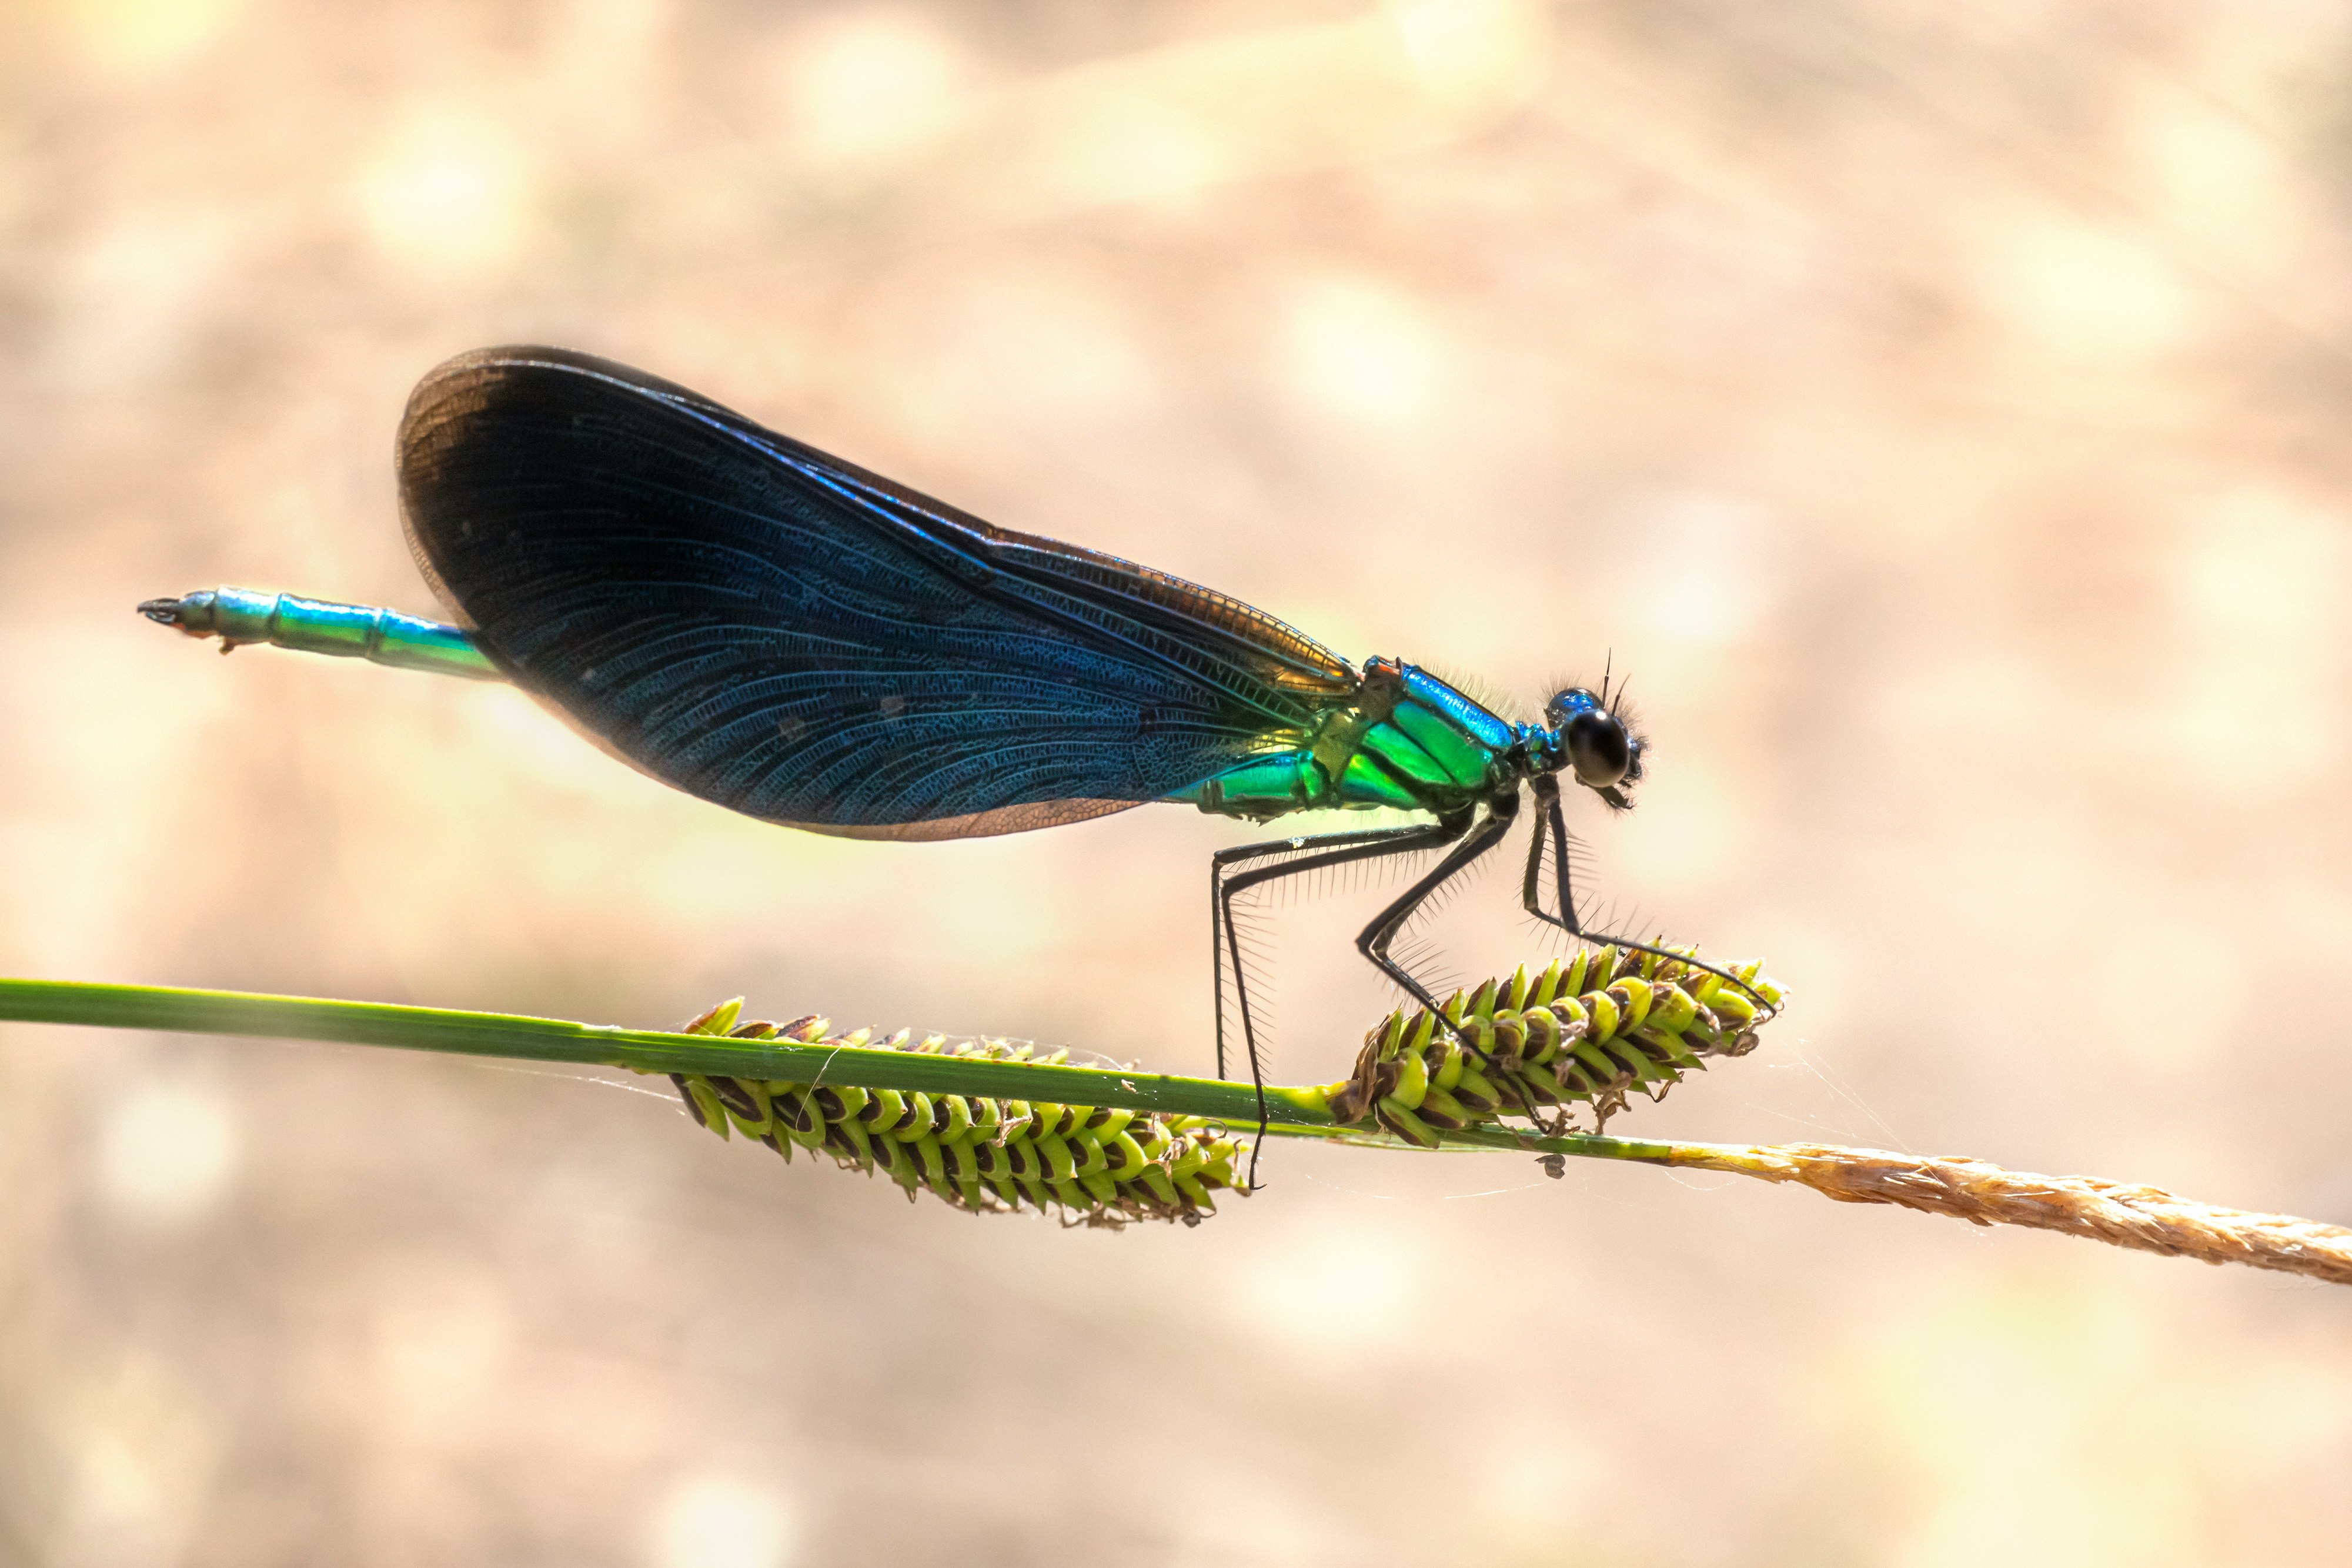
x=769, y=628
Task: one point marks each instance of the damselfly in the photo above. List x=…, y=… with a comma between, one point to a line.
x=788, y=635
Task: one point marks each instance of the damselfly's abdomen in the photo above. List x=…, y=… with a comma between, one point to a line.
x=240, y=615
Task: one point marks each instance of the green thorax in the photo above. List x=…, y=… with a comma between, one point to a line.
x=1410, y=742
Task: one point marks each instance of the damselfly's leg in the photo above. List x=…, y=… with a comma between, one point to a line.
x=1548, y=814
x=1373, y=943
x=1219, y=916
x=1326, y=850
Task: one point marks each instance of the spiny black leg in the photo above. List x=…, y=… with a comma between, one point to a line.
x=1548, y=795
x=1218, y=914
x=1529, y=893
x=1373, y=943
x=1342, y=849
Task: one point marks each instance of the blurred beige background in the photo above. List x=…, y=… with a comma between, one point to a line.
x=1935, y=409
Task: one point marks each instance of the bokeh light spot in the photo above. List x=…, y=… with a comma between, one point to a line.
x=166, y=1151
x=711, y=1521
x=2259, y=592
x=444, y=1338
x=134, y=36
x=871, y=84
x=2084, y=293
x=446, y=196
x=1130, y=149
x=1715, y=548
x=1473, y=51
x=1364, y=352
x=1340, y=1295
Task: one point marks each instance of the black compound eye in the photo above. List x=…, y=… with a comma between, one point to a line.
x=1598, y=750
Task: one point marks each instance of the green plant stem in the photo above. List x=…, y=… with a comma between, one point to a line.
x=529, y=1039
x=1295, y=1110
x=2140, y=1218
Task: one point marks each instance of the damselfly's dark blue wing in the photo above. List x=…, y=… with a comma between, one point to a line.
x=777, y=631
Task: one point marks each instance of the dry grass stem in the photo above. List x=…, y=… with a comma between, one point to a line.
x=2146, y=1218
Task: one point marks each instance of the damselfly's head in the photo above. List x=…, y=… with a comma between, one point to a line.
x=1595, y=745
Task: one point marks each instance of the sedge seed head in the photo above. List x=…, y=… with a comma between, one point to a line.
x=1089, y=1165
x=1592, y=1031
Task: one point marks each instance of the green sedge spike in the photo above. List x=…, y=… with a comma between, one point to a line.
x=1613, y=1021
x=1093, y=1165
